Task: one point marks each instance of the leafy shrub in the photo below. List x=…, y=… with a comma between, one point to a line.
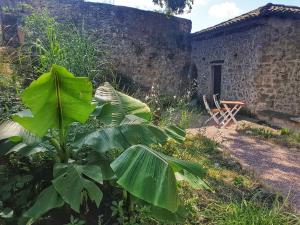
x=85, y=159
x=285, y=131
x=172, y=109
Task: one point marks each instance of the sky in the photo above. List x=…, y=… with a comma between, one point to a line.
x=206, y=13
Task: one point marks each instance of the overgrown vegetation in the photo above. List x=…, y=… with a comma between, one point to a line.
x=10, y=84
x=173, y=109
x=116, y=167
x=64, y=44
x=284, y=136
x=80, y=155
x=49, y=42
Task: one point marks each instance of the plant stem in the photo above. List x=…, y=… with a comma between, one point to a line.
x=128, y=207
x=62, y=135
x=58, y=148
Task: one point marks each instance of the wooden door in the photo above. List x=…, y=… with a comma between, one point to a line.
x=217, y=78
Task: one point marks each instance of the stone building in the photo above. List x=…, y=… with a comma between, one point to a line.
x=254, y=58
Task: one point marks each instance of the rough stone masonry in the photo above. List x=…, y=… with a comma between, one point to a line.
x=147, y=47
x=258, y=53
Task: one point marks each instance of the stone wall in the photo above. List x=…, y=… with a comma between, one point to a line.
x=261, y=65
x=278, y=74
x=146, y=46
x=260, y=59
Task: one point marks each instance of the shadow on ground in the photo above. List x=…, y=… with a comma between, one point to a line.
x=276, y=166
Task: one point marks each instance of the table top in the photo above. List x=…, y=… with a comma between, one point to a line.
x=232, y=102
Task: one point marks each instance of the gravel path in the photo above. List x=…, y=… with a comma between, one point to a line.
x=277, y=167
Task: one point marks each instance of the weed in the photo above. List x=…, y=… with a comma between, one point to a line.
x=247, y=212
x=263, y=132
x=284, y=136
x=75, y=221
x=238, y=181
x=285, y=131
x=50, y=42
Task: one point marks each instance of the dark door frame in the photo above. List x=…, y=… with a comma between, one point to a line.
x=211, y=79
x=217, y=79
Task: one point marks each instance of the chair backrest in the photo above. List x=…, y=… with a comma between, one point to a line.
x=206, y=104
x=216, y=101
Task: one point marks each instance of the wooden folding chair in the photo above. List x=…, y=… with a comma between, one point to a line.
x=222, y=110
x=227, y=113
x=215, y=113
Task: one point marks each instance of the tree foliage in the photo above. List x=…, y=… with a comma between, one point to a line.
x=175, y=6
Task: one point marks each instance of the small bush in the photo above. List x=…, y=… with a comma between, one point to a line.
x=285, y=131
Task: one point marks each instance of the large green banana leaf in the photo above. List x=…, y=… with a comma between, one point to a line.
x=120, y=105
x=70, y=180
x=6, y=146
x=168, y=217
x=47, y=200
x=22, y=148
x=100, y=159
x=56, y=99
x=150, y=175
x=133, y=119
x=146, y=175
x=15, y=132
x=123, y=136
x=6, y=213
x=14, y=138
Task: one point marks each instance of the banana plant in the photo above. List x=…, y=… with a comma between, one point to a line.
x=58, y=103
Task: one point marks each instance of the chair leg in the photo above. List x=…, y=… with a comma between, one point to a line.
x=231, y=115
x=236, y=111
x=214, y=117
x=227, y=116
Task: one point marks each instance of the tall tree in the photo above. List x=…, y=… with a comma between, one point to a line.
x=174, y=6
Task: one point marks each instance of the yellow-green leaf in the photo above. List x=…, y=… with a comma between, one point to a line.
x=56, y=99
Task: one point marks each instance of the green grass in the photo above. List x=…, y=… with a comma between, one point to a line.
x=284, y=136
x=249, y=212
x=237, y=198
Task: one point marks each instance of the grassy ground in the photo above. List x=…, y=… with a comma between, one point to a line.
x=236, y=196
x=284, y=137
